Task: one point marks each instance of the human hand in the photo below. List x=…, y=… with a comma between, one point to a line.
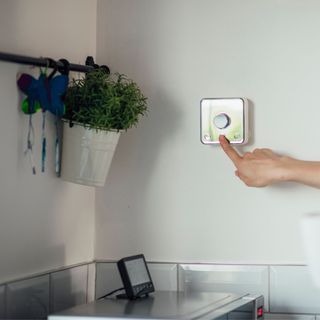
x=259, y=168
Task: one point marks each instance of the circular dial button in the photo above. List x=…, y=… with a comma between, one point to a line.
x=221, y=121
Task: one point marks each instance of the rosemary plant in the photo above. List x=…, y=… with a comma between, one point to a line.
x=104, y=102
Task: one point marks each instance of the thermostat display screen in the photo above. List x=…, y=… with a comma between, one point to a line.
x=137, y=271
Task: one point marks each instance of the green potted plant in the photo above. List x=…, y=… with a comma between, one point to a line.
x=99, y=107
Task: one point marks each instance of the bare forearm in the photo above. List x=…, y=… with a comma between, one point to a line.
x=263, y=167
x=305, y=172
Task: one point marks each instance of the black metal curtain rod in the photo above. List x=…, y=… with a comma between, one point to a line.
x=43, y=62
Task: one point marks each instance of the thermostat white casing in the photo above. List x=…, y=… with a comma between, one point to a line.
x=224, y=116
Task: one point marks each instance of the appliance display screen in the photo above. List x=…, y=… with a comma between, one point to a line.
x=137, y=271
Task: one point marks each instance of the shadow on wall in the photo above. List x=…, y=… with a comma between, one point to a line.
x=37, y=297
x=29, y=298
x=63, y=293
x=137, y=157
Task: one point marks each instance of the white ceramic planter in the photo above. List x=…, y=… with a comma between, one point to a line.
x=87, y=154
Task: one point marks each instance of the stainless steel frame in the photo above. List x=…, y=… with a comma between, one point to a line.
x=171, y=305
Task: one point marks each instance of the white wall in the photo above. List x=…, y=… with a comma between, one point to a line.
x=44, y=222
x=168, y=195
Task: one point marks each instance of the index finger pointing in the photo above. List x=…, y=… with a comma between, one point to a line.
x=229, y=151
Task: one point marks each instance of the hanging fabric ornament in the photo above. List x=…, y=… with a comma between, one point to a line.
x=60, y=85
x=45, y=93
x=30, y=105
x=37, y=99
x=44, y=99
x=56, y=89
x=29, y=86
x=30, y=143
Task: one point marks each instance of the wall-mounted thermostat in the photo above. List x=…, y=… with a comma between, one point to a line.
x=224, y=116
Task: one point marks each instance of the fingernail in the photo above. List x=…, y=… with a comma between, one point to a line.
x=221, y=135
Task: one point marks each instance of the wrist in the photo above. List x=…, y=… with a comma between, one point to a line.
x=291, y=169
